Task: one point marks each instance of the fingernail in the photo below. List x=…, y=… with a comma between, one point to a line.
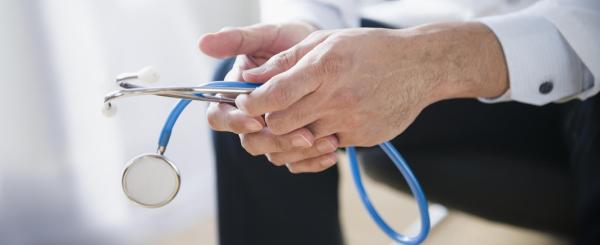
x=300, y=140
x=325, y=146
x=254, y=125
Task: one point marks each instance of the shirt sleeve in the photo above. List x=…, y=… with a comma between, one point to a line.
x=326, y=14
x=551, y=50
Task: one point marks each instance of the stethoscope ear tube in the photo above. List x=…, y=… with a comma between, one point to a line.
x=388, y=148
x=412, y=182
x=391, y=152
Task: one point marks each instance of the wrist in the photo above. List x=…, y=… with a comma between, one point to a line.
x=472, y=62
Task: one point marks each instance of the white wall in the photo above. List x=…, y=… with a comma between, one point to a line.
x=60, y=177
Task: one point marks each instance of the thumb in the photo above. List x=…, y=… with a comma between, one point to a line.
x=284, y=60
x=236, y=41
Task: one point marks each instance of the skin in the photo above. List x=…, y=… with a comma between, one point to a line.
x=253, y=46
x=356, y=87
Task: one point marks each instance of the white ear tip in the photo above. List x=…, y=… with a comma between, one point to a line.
x=109, y=110
x=148, y=74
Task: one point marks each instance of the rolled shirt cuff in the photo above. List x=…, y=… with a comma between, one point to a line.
x=542, y=66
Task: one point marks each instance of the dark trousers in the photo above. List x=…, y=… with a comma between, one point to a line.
x=259, y=203
x=537, y=167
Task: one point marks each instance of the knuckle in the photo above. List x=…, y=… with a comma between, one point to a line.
x=330, y=63
x=339, y=41
x=246, y=142
x=278, y=95
x=284, y=59
x=276, y=159
x=338, y=37
x=276, y=123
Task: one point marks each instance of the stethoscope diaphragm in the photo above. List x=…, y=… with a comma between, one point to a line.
x=151, y=180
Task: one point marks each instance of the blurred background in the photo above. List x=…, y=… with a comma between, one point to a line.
x=60, y=174
x=62, y=160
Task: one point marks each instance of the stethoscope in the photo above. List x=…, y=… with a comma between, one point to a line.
x=151, y=180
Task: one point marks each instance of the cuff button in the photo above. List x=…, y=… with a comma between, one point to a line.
x=546, y=87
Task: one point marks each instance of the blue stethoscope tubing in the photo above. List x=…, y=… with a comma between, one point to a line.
x=387, y=147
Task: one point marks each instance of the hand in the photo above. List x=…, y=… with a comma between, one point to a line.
x=253, y=46
x=367, y=86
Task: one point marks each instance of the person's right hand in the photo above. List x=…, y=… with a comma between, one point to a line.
x=253, y=46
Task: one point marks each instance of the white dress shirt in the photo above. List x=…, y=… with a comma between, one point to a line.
x=552, y=47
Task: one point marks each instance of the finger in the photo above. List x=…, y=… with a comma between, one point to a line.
x=235, y=74
x=225, y=117
x=346, y=135
x=284, y=60
x=323, y=127
x=313, y=165
x=235, y=41
x=288, y=87
x=278, y=93
x=265, y=141
x=322, y=146
x=297, y=115
x=242, y=62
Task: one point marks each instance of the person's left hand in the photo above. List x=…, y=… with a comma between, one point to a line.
x=366, y=86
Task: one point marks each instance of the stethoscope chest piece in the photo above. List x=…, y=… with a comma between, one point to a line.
x=151, y=180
